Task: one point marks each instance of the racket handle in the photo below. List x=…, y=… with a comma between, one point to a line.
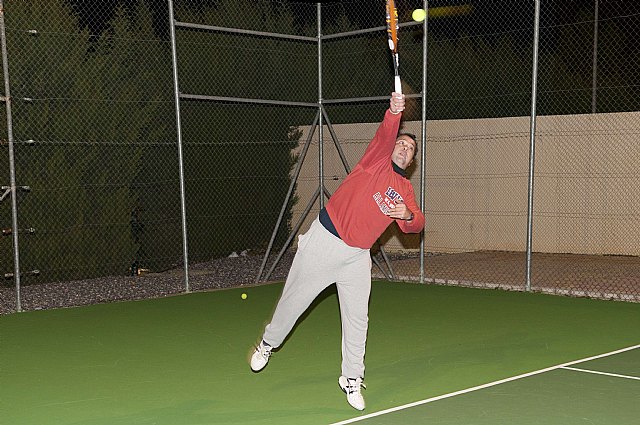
x=398, y=84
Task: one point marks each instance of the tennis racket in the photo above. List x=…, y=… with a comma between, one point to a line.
x=392, y=33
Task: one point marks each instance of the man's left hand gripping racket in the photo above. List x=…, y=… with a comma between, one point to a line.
x=392, y=32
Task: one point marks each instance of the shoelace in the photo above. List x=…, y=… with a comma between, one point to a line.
x=264, y=351
x=353, y=386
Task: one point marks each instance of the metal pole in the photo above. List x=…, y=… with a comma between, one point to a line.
x=246, y=100
x=242, y=31
x=336, y=142
x=176, y=92
x=423, y=135
x=12, y=163
x=594, y=84
x=320, y=122
x=532, y=140
x=292, y=185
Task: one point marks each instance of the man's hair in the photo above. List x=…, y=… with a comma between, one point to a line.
x=415, y=141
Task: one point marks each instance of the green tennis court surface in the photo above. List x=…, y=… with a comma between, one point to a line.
x=558, y=395
x=183, y=360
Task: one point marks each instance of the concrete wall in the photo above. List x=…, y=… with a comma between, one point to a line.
x=586, y=188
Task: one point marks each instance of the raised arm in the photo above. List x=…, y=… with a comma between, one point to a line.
x=382, y=144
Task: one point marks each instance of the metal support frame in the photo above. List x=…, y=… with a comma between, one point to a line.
x=190, y=96
x=12, y=165
x=319, y=121
x=10, y=191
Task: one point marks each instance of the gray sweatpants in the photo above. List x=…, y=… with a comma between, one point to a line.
x=321, y=260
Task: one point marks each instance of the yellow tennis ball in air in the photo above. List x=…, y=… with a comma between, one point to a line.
x=418, y=15
x=243, y=296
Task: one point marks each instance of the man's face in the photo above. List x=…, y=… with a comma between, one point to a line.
x=403, y=152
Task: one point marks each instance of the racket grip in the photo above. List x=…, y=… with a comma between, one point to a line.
x=398, y=88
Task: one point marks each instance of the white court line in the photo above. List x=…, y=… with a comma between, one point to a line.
x=480, y=387
x=615, y=375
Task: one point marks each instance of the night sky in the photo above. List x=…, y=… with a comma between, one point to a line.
x=490, y=18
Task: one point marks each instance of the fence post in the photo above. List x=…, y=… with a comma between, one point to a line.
x=423, y=136
x=176, y=89
x=320, y=117
x=532, y=139
x=12, y=165
x=594, y=82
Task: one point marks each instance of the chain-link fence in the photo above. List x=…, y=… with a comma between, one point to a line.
x=113, y=175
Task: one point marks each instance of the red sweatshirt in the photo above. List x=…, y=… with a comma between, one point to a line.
x=358, y=208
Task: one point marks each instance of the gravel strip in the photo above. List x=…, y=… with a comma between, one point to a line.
x=219, y=273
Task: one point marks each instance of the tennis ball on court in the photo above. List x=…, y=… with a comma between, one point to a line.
x=243, y=296
x=418, y=15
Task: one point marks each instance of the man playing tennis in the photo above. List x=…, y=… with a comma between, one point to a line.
x=336, y=247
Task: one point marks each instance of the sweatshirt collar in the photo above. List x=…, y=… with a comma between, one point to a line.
x=398, y=169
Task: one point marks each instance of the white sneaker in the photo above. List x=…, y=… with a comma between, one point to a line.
x=352, y=387
x=260, y=358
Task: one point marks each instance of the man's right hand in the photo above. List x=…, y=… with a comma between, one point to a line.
x=396, y=104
